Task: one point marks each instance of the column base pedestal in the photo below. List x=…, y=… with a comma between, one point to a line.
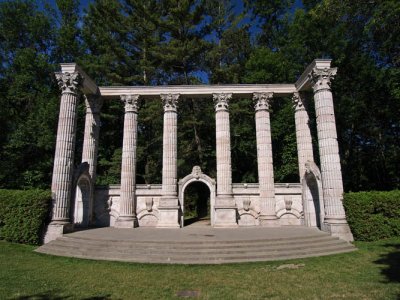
x=168, y=214
x=269, y=221
x=340, y=230
x=225, y=212
x=56, y=230
x=126, y=222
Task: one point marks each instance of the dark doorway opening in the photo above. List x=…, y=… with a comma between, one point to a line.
x=197, y=204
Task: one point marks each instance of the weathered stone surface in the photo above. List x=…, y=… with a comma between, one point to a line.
x=169, y=214
x=303, y=133
x=264, y=158
x=245, y=204
x=65, y=146
x=225, y=207
x=329, y=152
x=92, y=130
x=127, y=213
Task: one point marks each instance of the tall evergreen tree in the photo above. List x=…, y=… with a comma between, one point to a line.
x=27, y=100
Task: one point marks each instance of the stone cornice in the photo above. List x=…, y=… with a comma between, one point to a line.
x=304, y=83
x=88, y=85
x=200, y=91
x=262, y=101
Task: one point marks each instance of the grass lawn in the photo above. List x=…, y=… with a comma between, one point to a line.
x=373, y=272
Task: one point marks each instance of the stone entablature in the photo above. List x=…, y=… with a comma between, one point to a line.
x=316, y=201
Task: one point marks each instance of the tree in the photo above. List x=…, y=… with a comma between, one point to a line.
x=28, y=105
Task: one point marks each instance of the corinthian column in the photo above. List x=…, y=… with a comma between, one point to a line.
x=168, y=208
x=264, y=158
x=332, y=184
x=225, y=208
x=127, y=206
x=303, y=133
x=92, y=129
x=63, y=169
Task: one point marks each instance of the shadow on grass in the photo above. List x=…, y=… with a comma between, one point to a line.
x=53, y=296
x=391, y=262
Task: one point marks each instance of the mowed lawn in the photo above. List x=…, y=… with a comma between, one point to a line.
x=372, y=272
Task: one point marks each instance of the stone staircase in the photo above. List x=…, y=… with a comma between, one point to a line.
x=196, y=250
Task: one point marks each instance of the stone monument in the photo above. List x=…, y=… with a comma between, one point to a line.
x=315, y=201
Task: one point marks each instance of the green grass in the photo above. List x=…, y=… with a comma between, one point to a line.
x=373, y=272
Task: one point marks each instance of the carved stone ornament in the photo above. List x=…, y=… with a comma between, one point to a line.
x=221, y=101
x=149, y=204
x=262, y=101
x=321, y=78
x=170, y=101
x=69, y=82
x=298, y=103
x=288, y=203
x=131, y=103
x=246, y=204
x=196, y=172
x=93, y=104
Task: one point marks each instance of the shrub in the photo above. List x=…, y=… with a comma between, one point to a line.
x=23, y=215
x=373, y=215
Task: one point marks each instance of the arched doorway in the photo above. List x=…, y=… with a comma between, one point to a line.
x=313, y=205
x=196, y=204
x=202, y=203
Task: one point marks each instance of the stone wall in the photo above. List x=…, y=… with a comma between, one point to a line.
x=288, y=205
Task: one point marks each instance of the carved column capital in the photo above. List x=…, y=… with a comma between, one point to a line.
x=131, y=103
x=69, y=82
x=221, y=101
x=321, y=78
x=93, y=104
x=298, y=101
x=170, y=102
x=262, y=101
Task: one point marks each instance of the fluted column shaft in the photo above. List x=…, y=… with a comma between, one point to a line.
x=223, y=145
x=65, y=146
x=303, y=134
x=127, y=210
x=328, y=146
x=170, y=149
x=91, y=136
x=264, y=156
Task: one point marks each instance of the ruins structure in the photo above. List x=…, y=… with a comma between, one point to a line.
x=315, y=201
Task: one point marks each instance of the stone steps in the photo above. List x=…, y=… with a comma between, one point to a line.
x=197, y=251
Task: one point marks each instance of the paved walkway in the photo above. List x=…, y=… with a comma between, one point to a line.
x=195, y=233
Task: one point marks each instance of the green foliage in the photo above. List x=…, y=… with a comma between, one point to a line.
x=23, y=215
x=373, y=215
x=151, y=42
